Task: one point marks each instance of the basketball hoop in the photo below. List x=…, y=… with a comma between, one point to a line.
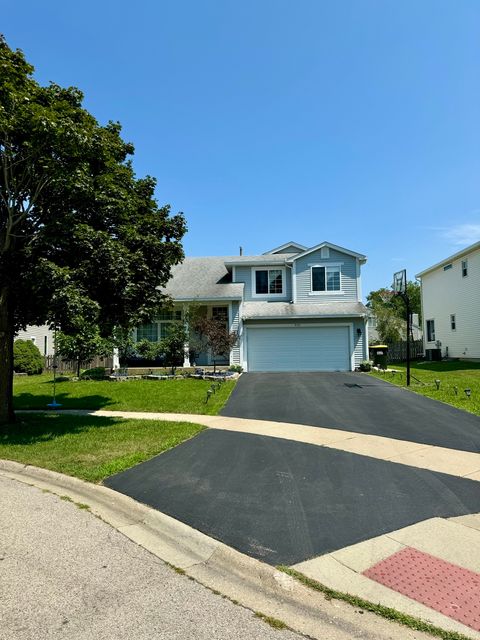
x=400, y=281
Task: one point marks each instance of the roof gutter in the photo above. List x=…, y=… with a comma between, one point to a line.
x=306, y=317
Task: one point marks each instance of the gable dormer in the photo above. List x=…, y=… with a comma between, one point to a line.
x=326, y=273
x=289, y=248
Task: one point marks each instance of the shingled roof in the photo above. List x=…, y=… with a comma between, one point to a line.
x=203, y=279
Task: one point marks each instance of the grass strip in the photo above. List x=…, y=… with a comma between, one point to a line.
x=187, y=395
x=379, y=609
x=273, y=622
x=444, y=381
x=89, y=447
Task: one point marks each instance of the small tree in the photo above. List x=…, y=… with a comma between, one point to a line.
x=215, y=337
x=148, y=350
x=83, y=346
x=27, y=357
x=173, y=346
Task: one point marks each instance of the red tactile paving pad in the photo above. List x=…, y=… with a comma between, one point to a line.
x=440, y=585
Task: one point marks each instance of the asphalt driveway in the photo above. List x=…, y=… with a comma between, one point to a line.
x=353, y=402
x=282, y=501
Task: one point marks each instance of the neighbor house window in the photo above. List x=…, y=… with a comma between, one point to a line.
x=453, y=322
x=464, y=268
x=430, y=330
x=326, y=278
x=268, y=281
x=148, y=332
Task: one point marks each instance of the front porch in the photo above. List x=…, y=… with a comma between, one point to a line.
x=195, y=353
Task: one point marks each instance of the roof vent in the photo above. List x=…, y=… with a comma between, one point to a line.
x=241, y=251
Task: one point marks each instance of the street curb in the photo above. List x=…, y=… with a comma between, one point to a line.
x=246, y=581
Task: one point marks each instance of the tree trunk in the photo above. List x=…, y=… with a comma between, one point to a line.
x=6, y=358
x=78, y=367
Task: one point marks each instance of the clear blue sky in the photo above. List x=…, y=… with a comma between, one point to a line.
x=355, y=122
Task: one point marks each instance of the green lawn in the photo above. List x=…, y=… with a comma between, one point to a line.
x=454, y=376
x=183, y=396
x=89, y=447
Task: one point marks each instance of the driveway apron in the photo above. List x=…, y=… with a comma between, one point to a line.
x=284, y=502
x=353, y=402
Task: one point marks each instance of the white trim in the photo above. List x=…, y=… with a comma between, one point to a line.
x=294, y=282
x=269, y=295
x=365, y=338
x=359, y=282
x=299, y=324
x=352, y=348
x=335, y=247
x=322, y=263
x=284, y=246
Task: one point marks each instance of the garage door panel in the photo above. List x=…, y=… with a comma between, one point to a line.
x=298, y=349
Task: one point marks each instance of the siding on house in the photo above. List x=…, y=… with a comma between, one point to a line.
x=235, y=311
x=348, y=277
x=446, y=293
x=245, y=274
x=41, y=336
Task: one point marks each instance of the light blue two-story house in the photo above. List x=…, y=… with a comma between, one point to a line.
x=294, y=308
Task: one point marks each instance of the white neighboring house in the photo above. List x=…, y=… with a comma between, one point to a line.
x=41, y=336
x=451, y=304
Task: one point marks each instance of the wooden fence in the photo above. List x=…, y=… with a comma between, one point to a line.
x=70, y=366
x=397, y=351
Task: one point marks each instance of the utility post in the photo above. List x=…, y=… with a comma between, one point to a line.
x=400, y=289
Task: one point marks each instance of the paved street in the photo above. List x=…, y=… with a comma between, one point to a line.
x=66, y=574
x=354, y=402
x=283, y=501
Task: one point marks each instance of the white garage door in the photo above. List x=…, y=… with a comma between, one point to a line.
x=298, y=349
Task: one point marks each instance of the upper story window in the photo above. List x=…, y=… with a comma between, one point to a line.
x=430, y=330
x=447, y=267
x=464, y=268
x=326, y=278
x=453, y=322
x=268, y=282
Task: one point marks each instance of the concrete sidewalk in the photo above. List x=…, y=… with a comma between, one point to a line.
x=463, y=464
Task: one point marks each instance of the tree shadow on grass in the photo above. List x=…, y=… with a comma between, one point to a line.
x=36, y=401
x=42, y=427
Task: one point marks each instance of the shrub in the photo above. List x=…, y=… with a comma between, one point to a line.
x=27, y=357
x=97, y=373
x=235, y=367
x=366, y=365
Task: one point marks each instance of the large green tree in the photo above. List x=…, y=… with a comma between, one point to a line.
x=80, y=235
